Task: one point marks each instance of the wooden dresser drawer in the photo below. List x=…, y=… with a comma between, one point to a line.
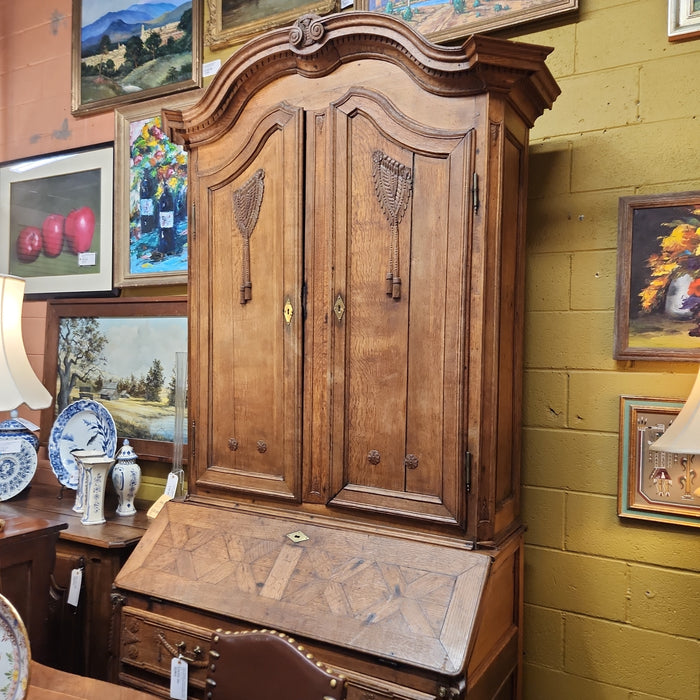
x=150, y=641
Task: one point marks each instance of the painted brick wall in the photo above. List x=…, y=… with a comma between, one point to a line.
x=612, y=607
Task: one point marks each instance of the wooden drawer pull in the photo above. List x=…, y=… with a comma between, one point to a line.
x=179, y=651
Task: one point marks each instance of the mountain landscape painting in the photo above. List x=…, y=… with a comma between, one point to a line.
x=130, y=50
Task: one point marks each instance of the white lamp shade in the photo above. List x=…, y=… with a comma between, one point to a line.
x=18, y=383
x=683, y=435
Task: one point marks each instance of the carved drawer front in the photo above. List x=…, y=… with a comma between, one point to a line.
x=150, y=641
x=361, y=687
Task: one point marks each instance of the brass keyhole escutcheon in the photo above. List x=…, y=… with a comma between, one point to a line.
x=288, y=311
x=339, y=307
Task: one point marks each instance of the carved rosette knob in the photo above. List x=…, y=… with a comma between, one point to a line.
x=373, y=457
x=232, y=444
x=262, y=446
x=411, y=462
x=307, y=30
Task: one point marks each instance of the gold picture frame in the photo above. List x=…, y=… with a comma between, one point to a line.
x=136, y=262
x=233, y=22
x=116, y=59
x=443, y=21
x=653, y=485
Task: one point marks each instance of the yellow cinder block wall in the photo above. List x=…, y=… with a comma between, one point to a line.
x=612, y=607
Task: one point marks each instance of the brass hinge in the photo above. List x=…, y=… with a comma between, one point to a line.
x=468, y=471
x=475, y=192
x=192, y=225
x=193, y=439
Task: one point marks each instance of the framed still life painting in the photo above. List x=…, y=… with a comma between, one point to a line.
x=447, y=20
x=150, y=203
x=125, y=51
x=56, y=221
x=657, y=307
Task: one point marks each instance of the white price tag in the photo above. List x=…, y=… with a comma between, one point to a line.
x=76, y=580
x=211, y=68
x=171, y=485
x=87, y=259
x=178, y=679
x=10, y=447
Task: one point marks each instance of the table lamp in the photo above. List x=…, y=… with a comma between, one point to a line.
x=682, y=437
x=18, y=383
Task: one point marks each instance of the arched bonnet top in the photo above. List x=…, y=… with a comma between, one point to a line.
x=315, y=46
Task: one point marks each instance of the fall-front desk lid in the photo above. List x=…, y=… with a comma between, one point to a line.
x=405, y=600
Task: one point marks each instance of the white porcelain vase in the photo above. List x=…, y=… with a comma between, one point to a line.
x=126, y=477
x=78, y=456
x=96, y=470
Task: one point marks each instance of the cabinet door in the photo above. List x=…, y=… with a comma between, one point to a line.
x=402, y=227
x=247, y=333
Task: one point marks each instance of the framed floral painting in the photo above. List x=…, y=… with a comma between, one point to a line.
x=657, y=307
x=150, y=202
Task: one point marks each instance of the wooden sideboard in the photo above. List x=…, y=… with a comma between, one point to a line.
x=82, y=640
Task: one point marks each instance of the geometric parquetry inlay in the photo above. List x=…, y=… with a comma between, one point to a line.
x=354, y=587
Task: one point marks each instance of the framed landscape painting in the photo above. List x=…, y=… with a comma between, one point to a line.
x=131, y=50
x=657, y=305
x=56, y=221
x=446, y=20
x=121, y=353
x=236, y=21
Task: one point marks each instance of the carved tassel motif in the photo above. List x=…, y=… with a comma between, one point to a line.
x=247, y=201
x=393, y=184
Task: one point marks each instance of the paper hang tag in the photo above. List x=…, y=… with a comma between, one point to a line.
x=178, y=679
x=171, y=485
x=76, y=580
x=157, y=506
x=28, y=424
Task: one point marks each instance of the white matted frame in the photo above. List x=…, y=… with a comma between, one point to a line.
x=43, y=197
x=683, y=19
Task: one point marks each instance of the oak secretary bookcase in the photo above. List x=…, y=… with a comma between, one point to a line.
x=357, y=204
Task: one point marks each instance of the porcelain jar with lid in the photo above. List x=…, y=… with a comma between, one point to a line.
x=126, y=477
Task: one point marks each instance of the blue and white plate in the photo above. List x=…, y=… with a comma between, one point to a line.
x=83, y=425
x=17, y=466
x=15, y=653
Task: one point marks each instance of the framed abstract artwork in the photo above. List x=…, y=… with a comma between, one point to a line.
x=448, y=20
x=657, y=306
x=123, y=354
x=127, y=52
x=654, y=485
x=235, y=21
x=56, y=221
x=150, y=201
